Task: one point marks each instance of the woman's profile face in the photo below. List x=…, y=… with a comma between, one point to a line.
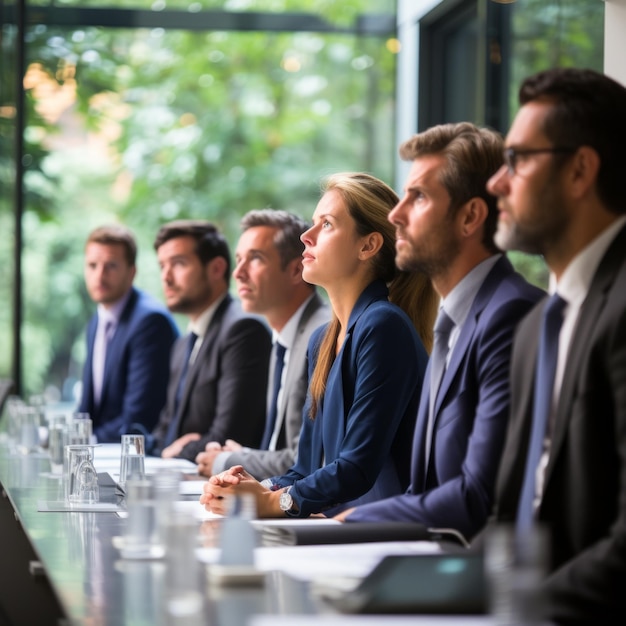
x=331, y=252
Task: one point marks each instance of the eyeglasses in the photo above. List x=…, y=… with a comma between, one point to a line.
x=511, y=155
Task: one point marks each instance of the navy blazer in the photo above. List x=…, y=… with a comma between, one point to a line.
x=136, y=369
x=357, y=449
x=226, y=385
x=471, y=415
x=584, y=498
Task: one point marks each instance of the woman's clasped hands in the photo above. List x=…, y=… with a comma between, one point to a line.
x=235, y=480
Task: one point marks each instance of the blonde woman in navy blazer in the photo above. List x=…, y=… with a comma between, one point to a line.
x=366, y=366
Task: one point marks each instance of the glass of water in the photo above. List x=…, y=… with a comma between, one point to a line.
x=132, y=461
x=58, y=438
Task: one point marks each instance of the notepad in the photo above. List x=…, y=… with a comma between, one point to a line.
x=305, y=533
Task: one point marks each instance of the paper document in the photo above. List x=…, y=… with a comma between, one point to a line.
x=371, y=620
x=191, y=487
x=321, y=562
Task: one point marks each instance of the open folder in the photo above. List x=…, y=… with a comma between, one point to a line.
x=307, y=534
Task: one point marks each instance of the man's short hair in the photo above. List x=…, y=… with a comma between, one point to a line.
x=472, y=156
x=116, y=234
x=210, y=243
x=589, y=110
x=289, y=227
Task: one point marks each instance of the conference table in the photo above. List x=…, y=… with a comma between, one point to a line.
x=61, y=567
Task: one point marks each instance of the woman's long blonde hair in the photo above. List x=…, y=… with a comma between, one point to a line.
x=369, y=201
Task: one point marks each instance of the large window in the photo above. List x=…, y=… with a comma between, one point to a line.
x=8, y=164
x=143, y=111
x=182, y=110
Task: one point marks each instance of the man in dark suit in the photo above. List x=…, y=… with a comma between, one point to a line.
x=562, y=194
x=128, y=340
x=445, y=225
x=268, y=272
x=218, y=373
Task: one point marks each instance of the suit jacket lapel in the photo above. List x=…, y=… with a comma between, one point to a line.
x=296, y=356
x=88, y=368
x=500, y=270
x=113, y=356
x=208, y=342
x=418, y=460
x=590, y=312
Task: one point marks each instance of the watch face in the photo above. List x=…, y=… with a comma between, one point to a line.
x=285, y=501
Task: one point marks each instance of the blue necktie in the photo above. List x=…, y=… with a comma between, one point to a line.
x=544, y=388
x=443, y=328
x=270, y=421
x=172, y=431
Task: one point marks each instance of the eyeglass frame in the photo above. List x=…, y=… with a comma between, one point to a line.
x=511, y=154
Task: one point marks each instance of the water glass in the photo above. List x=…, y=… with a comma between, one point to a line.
x=80, y=429
x=80, y=476
x=141, y=533
x=238, y=538
x=184, y=598
x=515, y=564
x=166, y=488
x=58, y=438
x=132, y=461
x=28, y=441
x=14, y=405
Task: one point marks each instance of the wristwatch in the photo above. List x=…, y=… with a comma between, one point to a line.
x=285, y=502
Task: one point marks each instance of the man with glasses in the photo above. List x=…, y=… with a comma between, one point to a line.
x=562, y=194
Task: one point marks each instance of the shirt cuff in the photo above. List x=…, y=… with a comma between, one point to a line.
x=220, y=462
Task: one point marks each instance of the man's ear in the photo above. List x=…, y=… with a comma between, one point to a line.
x=472, y=216
x=216, y=268
x=294, y=270
x=582, y=172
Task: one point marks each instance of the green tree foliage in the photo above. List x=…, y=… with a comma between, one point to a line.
x=144, y=125
x=147, y=125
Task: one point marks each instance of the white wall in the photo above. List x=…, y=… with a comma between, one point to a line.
x=615, y=40
x=409, y=14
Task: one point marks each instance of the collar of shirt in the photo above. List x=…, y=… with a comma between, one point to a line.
x=576, y=279
x=200, y=326
x=113, y=312
x=574, y=287
x=202, y=322
x=458, y=302
x=287, y=335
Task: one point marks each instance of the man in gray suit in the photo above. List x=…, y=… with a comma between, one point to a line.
x=269, y=281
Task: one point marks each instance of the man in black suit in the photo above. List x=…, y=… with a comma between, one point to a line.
x=562, y=194
x=219, y=369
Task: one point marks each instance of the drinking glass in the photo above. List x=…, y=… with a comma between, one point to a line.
x=80, y=476
x=80, y=429
x=58, y=438
x=14, y=405
x=28, y=417
x=132, y=461
x=515, y=564
x=141, y=539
